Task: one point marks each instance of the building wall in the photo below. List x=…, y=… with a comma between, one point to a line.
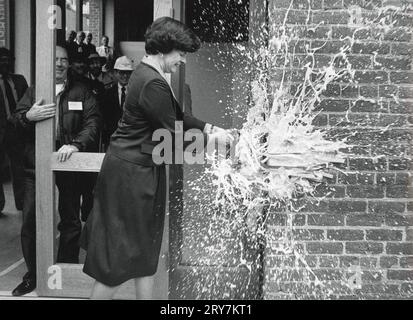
x=363, y=224
x=96, y=20
x=22, y=43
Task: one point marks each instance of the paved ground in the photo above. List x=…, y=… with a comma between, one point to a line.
x=12, y=266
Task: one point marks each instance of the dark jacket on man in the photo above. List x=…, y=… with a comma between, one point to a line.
x=20, y=84
x=10, y=141
x=79, y=128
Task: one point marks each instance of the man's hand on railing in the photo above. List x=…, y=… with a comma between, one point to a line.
x=65, y=152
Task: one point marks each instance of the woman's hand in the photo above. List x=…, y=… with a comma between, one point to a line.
x=65, y=152
x=222, y=136
x=39, y=112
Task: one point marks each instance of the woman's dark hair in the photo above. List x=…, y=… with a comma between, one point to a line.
x=166, y=34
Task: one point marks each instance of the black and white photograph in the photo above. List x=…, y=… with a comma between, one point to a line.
x=223, y=152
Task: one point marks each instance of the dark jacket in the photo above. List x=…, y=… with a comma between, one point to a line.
x=150, y=105
x=20, y=85
x=79, y=128
x=111, y=112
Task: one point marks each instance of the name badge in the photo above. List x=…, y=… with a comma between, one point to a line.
x=75, y=106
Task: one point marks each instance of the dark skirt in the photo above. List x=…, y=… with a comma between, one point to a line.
x=123, y=234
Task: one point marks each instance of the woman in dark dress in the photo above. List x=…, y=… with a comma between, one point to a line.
x=123, y=235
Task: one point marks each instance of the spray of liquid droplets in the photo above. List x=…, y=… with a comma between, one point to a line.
x=281, y=155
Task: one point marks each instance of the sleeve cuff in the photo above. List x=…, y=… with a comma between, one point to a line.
x=208, y=128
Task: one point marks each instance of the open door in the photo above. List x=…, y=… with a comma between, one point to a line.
x=68, y=280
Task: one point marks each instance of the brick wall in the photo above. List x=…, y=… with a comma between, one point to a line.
x=361, y=230
x=96, y=21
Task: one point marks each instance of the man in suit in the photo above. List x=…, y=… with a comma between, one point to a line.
x=115, y=98
x=70, y=43
x=78, y=122
x=90, y=47
x=80, y=46
x=12, y=88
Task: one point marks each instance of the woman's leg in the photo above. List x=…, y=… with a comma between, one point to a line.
x=102, y=292
x=144, y=288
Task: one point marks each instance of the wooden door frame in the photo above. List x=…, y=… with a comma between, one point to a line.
x=65, y=280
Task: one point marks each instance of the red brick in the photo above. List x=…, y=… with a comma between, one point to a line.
x=368, y=106
x=365, y=220
x=333, y=90
x=402, y=20
x=386, y=120
x=388, y=91
x=328, y=262
x=308, y=234
x=328, y=105
x=365, y=191
x=328, y=274
x=405, y=92
x=386, y=207
x=388, y=262
x=401, y=48
x=401, y=77
x=360, y=62
x=371, y=276
x=398, y=220
x=400, y=164
x=366, y=164
x=384, y=235
x=345, y=206
x=356, y=178
x=298, y=4
x=330, y=47
x=324, y=248
x=403, y=178
x=379, y=289
x=371, y=4
x=369, y=91
x=350, y=91
x=372, y=77
x=325, y=220
x=406, y=289
x=393, y=63
x=409, y=235
x=386, y=178
x=345, y=234
x=330, y=17
x=399, y=191
x=398, y=34
x=370, y=48
x=368, y=262
x=364, y=247
x=406, y=262
x=405, y=248
x=329, y=191
x=405, y=275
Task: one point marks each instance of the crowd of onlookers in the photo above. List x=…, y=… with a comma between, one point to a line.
x=91, y=90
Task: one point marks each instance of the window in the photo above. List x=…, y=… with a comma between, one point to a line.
x=218, y=21
x=132, y=19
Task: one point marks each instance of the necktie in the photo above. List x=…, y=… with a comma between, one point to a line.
x=123, y=97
